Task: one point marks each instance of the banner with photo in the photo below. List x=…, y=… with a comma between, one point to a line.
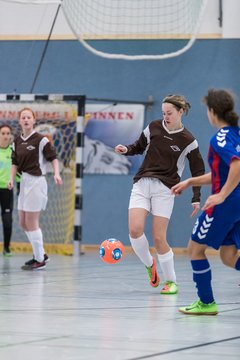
x=106, y=127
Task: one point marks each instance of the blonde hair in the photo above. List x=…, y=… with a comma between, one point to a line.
x=178, y=101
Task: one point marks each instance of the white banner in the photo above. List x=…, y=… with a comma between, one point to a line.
x=108, y=126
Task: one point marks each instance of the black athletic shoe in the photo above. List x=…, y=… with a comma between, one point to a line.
x=35, y=266
x=32, y=261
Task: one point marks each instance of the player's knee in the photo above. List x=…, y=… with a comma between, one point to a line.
x=195, y=251
x=160, y=239
x=135, y=232
x=227, y=259
x=7, y=218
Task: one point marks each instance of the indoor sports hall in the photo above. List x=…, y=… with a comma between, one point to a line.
x=95, y=73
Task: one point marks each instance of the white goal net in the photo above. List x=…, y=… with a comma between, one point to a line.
x=131, y=29
x=135, y=29
x=58, y=121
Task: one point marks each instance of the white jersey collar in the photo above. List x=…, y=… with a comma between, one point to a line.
x=26, y=138
x=171, y=131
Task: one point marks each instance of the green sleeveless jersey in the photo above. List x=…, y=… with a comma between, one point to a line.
x=5, y=166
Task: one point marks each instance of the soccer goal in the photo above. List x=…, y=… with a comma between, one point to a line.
x=61, y=119
x=135, y=29
x=131, y=29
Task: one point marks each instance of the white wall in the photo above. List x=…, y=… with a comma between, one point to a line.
x=18, y=20
x=210, y=24
x=27, y=20
x=231, y=22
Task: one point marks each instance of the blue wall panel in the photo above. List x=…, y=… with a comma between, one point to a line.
x=70, y=69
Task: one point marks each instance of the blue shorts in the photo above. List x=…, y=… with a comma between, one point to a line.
x=219, y=226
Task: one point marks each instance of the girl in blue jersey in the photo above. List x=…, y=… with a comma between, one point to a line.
x=219, y=224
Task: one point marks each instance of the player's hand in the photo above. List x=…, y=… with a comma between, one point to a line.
x=58, y=180
x=178, y=188
x=196, y=207
x=120, y=149
x=10, y=185
x=213, y=200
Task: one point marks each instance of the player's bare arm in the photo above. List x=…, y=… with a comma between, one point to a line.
x=12, y=177
x=57, y=177
x=233, y=180
x=196, y=207
x=194, y=181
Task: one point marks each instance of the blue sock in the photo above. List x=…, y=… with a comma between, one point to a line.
x=237, y=265
x=202, y=276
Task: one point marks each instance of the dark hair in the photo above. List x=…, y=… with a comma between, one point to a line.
x=6, y=125
x=222, y=103
x=178, y=101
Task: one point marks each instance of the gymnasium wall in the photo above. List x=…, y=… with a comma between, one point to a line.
x=68, y=68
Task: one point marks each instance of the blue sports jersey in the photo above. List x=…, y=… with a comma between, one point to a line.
x=220, y=225
x=224, y=146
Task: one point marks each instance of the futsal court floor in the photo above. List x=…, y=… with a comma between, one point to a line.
x=81, y=308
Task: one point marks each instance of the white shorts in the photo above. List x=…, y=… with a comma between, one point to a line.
x=151, y=194
x=33, y=193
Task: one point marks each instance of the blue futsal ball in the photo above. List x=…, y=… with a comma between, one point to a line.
x=111, y=251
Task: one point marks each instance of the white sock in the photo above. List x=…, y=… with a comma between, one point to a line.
x=36, y=239
x=141, y=248
x=167, y=265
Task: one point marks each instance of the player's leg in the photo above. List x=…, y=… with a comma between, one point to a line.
x=230, y=257
x=202, y=276
x=137, y=218
x=23, y=222
x=31, y=202
x=218, y=230
x=162, y=202
x=229, y=249
x=165, y=254
x=7, y=208
x=139, y=207
x=34, y=234
x=21, y=219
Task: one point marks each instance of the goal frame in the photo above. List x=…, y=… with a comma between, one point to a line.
x=84, y=38
x=78, y=202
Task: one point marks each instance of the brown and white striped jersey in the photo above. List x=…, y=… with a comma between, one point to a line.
x=30, y=154
x=166, y=154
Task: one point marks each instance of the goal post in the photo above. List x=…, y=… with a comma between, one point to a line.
x=61, y=119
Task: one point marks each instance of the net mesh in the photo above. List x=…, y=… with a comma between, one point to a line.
x=58, y=122
x=152, y=22
x=132, y=29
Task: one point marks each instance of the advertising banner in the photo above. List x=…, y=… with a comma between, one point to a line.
x=106, y=127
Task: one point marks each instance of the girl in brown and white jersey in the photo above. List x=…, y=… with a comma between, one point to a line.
x=31, y=151
x=166, y=144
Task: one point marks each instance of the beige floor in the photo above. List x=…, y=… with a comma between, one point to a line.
x=81, y=308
